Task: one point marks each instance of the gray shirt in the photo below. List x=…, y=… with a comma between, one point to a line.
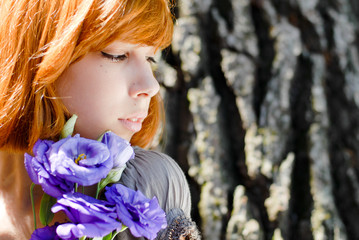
x=156, y=174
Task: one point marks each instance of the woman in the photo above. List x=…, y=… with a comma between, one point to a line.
x=91, y=58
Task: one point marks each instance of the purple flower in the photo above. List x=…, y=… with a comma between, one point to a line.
x=142, y=216
x=39, y=170
x=90, y=217
x=120, y=149
x=45, y=233
x=80, y=160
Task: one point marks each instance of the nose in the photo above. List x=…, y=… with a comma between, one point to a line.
x=144, y=83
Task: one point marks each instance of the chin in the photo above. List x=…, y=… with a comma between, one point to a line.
x=123, y=135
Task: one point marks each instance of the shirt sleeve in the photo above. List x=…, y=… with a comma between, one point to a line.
x=156, y=174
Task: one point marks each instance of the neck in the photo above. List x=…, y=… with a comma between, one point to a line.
x=15, y=203
x=14, y=180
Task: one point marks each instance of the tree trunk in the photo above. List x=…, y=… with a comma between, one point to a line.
x=262, y=113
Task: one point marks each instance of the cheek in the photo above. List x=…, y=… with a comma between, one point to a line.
x=93, y=84
x=93, y=90
x=76, y=88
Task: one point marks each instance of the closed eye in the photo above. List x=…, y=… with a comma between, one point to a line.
x=114, y=58
x=151, y=60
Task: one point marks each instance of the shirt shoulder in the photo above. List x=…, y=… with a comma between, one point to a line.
x=157, y=174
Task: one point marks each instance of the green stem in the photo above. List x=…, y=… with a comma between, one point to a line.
x=113, y=237
x=98, y=190
x=33, y=203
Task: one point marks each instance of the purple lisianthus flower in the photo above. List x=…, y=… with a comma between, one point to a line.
x=81, y=160
x=45, y=233
x=141, y=215
x=39, y=170
x=90, y=217
x=120, y=149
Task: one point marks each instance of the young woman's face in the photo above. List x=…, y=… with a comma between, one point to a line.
x=110, y=90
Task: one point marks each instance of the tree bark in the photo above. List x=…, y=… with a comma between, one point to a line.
x=262, y=114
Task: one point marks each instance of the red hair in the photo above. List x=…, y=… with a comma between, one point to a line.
x=41, y=38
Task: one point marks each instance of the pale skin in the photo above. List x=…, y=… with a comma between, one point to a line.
x=109, y=90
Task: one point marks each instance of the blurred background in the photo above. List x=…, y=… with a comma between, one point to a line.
x=262, y=102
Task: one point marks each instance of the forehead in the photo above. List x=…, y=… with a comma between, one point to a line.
x=119, y=45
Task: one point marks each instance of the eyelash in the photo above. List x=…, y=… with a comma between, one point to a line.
x=118, y=58
x=151, y=60
x=114, y=58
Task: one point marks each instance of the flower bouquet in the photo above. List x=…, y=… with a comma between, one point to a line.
x=65, y=167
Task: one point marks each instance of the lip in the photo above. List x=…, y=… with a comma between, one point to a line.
x=133, y=122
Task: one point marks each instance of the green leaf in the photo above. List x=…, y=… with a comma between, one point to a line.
x=33, y=203
x=100, y=138
x=113, y=176
x=108, y=237
x=123, y=228
x=68, y=127
x=46, y=215
x=111, y=235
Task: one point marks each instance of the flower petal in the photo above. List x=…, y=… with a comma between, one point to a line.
x=120, y=149
x=141, y=215
x=66, y=162
x=90, y=217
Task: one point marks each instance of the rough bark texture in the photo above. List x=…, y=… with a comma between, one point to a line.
x=262, y=112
